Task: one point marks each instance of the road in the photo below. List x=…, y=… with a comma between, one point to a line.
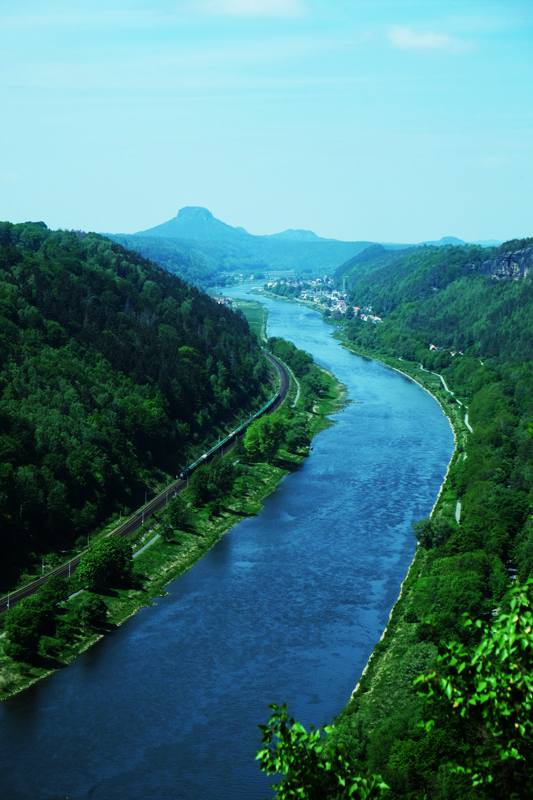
x=134, y=522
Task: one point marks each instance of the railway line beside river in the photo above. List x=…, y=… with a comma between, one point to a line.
x=131, y=525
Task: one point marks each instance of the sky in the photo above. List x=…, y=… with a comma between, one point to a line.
x=382, y=120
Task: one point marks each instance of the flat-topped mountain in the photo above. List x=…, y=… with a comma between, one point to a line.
x=204, y=250
x=201, y=248
x=195, y=222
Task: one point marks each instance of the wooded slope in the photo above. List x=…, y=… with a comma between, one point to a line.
x=110, y=369
x=457, y=298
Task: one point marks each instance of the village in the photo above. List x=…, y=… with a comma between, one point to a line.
x=320, y=290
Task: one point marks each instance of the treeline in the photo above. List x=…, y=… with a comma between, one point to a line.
x=286, y=290
x=111, y=369
x=203, y=261
x=481, y=534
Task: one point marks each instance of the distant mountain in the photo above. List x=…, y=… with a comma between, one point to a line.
x=200, y=248
x=439, y=243
x=299, y=235
x=446, y=240
x=195, y=222
x=453, y=240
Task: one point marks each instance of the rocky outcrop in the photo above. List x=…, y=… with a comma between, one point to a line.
x=510, y=266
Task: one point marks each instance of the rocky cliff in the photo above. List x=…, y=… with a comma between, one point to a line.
x=510, y=266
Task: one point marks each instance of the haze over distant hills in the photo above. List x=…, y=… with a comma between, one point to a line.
x=195, y=222
x=202, y=249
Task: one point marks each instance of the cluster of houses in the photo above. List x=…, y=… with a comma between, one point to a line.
x=320, y=291
x=367, y=316
x=440, y=349
x=223, y=301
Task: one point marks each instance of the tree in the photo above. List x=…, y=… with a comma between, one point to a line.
x=167, y=531
x=23, y=630
x=264, y=436
x=34, y=617
x=492, y=686
x=213, y=482
x=297, y=436
x=312, y=768
x=178, y=513
x=433, y=532
x=54, y=592
x=93, y=612
x=199, y=486
x=107, y=564
x=222, y=475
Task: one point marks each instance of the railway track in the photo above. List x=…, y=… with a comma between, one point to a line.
x=133, y=523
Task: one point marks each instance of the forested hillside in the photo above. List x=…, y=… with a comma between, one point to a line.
x=457, y=298
x=197, y=263
x=476, y=307
x=205, y=262
x=111, y=369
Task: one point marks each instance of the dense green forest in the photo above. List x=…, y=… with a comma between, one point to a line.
x=112, y=371
x=201, y=266
x=456, y=298
x=477, y=309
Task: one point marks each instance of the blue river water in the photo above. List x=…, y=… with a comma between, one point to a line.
x=287, y=607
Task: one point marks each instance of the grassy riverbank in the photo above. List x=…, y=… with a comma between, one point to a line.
x=384, y=708
x=478, y=540
x=379, y=691
x=165, y=560
x=458, y=569
x=256, y=314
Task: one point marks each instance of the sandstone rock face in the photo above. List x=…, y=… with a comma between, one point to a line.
x=510, y=266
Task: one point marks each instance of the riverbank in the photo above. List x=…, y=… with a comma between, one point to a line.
x=445, y=505
x=163, y=561
x=385, y=684
x=382, y=687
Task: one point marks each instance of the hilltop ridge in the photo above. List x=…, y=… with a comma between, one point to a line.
x=196, y=222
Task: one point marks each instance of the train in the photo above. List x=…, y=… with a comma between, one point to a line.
x=230, y=438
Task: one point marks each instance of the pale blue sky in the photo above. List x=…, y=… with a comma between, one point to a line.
x=386, y=120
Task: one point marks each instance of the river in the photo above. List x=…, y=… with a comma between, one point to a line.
x=286, y=607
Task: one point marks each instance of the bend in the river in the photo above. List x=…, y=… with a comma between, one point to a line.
x=287, y=606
